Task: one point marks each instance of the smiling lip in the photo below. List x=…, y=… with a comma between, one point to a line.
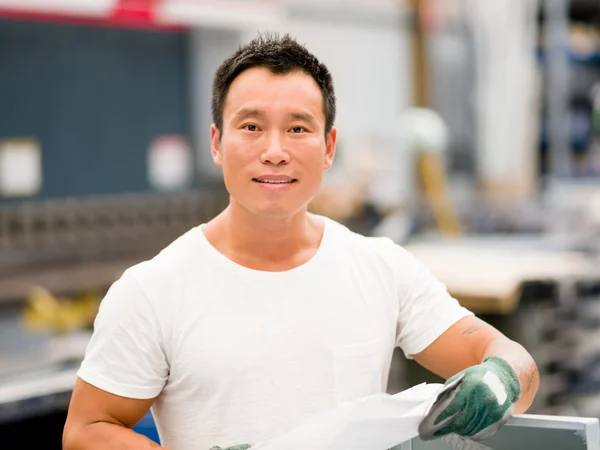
x=274, y=182
x=274, y=179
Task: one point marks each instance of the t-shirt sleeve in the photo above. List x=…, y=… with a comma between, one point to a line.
x=125, y=355
x=426, y=309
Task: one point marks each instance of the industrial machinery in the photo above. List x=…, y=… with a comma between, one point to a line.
x=57, y=259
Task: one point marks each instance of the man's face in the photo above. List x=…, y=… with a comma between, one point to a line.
x=273, y=149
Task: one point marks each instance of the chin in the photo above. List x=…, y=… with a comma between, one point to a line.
x=275, y=213
x=277, y=210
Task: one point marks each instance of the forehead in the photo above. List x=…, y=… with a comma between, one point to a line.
x=259, y=88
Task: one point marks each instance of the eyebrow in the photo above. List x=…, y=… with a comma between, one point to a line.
x=246, y=113
x=251, y=113
x=305, y=117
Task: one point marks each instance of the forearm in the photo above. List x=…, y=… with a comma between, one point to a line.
x=107, y=436
x=523, y=364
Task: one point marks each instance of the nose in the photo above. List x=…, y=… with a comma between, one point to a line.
x=275, y=153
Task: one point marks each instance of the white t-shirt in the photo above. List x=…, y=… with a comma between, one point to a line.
x=237, y=356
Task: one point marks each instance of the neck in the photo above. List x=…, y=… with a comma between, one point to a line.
x=269, y=238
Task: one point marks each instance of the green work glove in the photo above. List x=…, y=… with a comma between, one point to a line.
x=474, y=403
x=235, y=447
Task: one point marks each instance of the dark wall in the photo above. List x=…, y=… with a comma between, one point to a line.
x=95, y=98
x=30, y=433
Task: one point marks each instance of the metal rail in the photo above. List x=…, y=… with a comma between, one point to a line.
x=69, y=242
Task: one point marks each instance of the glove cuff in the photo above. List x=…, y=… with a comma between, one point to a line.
x=507, y=374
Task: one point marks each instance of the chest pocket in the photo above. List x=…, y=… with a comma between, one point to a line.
x=358, y=370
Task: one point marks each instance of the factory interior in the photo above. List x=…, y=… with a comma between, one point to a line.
x=468, y=133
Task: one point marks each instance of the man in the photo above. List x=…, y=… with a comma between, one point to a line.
x=247, y=325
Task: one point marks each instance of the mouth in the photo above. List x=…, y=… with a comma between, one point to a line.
x=289, y=181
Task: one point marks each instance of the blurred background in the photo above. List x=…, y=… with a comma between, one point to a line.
x=469, y=132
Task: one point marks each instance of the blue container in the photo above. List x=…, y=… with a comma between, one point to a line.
x=147, y=427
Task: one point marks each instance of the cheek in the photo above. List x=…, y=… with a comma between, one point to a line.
x=311, y=154
x=237, y=155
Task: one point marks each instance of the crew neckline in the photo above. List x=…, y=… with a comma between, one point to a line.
x=241, y=270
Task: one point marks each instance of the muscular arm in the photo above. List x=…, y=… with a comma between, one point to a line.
x=98, y=420
x=468, y=343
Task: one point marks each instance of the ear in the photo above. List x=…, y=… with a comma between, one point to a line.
x=215, y=145
x=330, y=148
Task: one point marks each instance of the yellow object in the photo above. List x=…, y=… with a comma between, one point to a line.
x=433, y=177
x=45, y=312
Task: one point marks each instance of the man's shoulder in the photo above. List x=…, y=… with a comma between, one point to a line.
x=380, y=247
x=171, y=262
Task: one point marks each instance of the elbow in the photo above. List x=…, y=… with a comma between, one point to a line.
x=530, y=383
x=524, y=366
x=68, y=441
x=73, y=437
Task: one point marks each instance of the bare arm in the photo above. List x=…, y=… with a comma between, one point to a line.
x=98, y=420
x=468, y=343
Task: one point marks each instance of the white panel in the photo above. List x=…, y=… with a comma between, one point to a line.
x=507, y=108
x=170, y=163
x=219, y=14
x=20, y=168
x=358, y=6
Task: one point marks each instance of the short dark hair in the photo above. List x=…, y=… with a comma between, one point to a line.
x=281, y=55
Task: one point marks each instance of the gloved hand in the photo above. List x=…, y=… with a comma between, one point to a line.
x=474, y=403
x=235, y=447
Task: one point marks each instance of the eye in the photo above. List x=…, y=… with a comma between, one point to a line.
x=297, y=130
x=250, y=127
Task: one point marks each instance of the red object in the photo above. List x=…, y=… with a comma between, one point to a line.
x=134, y=12
x=430, y=16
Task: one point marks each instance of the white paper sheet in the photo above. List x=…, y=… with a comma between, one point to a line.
x=377, y=422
